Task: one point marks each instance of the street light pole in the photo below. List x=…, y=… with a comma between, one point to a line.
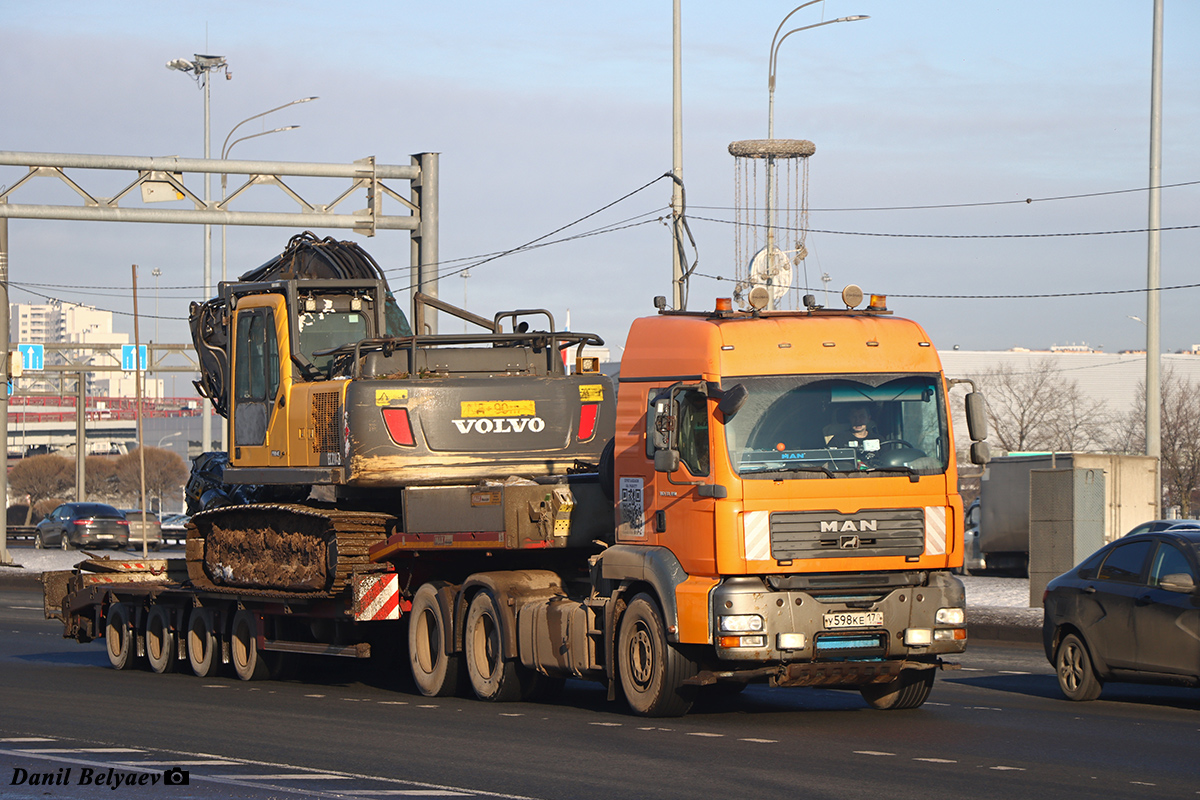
x=157, y=273
x=201, y=68
x=1154, y=253
x=776, y=42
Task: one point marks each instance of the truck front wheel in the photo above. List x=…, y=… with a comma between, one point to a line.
x=652, y=671
x=909, y=689
x=434, y=671
x=492, y=677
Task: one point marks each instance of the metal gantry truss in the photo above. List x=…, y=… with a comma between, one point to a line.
x=163, y=178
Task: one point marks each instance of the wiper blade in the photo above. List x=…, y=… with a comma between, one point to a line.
x=912, y=474
x=814, y=468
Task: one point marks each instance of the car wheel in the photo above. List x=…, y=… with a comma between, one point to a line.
x=435, y=672
x=118, y=636
x=38, y=544
x=65, y=543
x=1076, y=675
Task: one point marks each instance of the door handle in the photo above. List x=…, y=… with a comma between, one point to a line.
x=1089, y=590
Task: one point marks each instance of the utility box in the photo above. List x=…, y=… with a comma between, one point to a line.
x=1130, y=498
x=1066, y=522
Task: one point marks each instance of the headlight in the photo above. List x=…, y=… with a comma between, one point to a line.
x=791, y=641
x=950, y=616
x=740, y=623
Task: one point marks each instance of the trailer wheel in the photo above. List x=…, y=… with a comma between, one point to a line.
x=118, y=636
x=492, y=678
x=248, y=662
x=909, y=689
x=202, y=643
x=160, y=639
x=652, y=671
x=435, y=671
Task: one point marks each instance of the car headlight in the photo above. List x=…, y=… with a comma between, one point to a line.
x=950, y=616
x=740, y=623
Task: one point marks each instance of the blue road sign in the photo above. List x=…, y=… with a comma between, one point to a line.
x=33, y=356
x=127, y=362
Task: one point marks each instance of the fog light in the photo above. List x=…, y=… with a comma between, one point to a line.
x=950, y=616
x=739, y=623
x=918, y=637
x=791, y=641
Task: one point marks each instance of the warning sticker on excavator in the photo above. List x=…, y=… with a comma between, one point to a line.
x=384, y=397
x=499, y=408
x=592, y=393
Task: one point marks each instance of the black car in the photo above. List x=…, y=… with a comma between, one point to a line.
x=74, y=525
x=1129, y=612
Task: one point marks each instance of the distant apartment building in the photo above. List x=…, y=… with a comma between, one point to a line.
x=60, y=322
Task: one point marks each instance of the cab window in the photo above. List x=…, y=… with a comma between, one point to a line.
x=1168, y=560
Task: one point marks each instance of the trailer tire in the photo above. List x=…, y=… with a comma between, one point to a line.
x=652, y=671
x=435, y=671
x=909, y=689
x=248, y=662
x=492, y=678
x=202, y=643
x=160, y=639
x=119, y=639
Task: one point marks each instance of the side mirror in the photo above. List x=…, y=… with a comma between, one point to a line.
x=732, y=400
x=980, y=453
x=1180, y=582
x=976, y=417
x=666, y=461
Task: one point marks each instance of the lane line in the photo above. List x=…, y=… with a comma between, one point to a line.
x=873, y=753
x=284, y=776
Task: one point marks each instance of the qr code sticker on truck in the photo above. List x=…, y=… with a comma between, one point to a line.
x=633, y=509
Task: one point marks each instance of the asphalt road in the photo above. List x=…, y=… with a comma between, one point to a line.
x=997, y=728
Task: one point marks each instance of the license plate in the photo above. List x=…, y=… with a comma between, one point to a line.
x=853, y=619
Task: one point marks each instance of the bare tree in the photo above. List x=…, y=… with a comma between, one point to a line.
x=41, y=478
x=1179, y=438
x=166, y=472
x=1040, y=409
x=100, y=478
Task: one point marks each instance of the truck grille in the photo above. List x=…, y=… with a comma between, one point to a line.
x=828, y=534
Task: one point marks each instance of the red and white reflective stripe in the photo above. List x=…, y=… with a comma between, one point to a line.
x=935, y=530
x=376, y=597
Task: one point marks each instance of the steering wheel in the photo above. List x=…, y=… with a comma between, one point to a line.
x=897, y=443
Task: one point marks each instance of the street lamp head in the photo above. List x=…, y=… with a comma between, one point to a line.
x=181, y=64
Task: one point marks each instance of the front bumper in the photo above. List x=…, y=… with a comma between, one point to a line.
x=824, y=624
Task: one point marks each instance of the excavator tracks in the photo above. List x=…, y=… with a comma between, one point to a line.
x=282, y=548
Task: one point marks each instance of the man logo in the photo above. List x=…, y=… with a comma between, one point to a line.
x=848, y=543
x=836, y=526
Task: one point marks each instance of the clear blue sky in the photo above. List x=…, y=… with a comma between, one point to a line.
x=545, y=111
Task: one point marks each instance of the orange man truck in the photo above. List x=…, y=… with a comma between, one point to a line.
x=783, y=501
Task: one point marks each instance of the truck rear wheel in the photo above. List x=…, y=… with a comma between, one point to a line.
x=435, y=671
x=248, y=662
x=909, y=689
x=119, y=640
x=492, y=677
x=652, y=671
x=202, y=643
x=160, y=639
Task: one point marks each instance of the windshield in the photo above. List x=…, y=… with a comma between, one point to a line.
x=809, y=426
x=324, y=330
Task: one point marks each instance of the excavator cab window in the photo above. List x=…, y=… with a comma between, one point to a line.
x=331, y=324
x=256, y=375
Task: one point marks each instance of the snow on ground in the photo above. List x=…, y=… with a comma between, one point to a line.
x=982, y=592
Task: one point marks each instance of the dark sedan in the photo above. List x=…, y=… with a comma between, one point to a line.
x=1129, y=612
x=73, y=525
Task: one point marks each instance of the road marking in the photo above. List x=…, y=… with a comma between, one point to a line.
x=1013, y=672
x=51, y=750
x=287, y=776
x=1142, y=783
x=314, y=695
x=983, y=708
x=971, y=669
x=509, y=714
x=873, y=753
x=24, y=739
x=606, y=724
x=409, y=793
x=212, y=762
x=26, y=608
x=1017, y=769
x=214, y=686
x=760, y=741
x=429, y=705
x=928, y=703
x=937, y=760
x=393, y=702
x=707, y=735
